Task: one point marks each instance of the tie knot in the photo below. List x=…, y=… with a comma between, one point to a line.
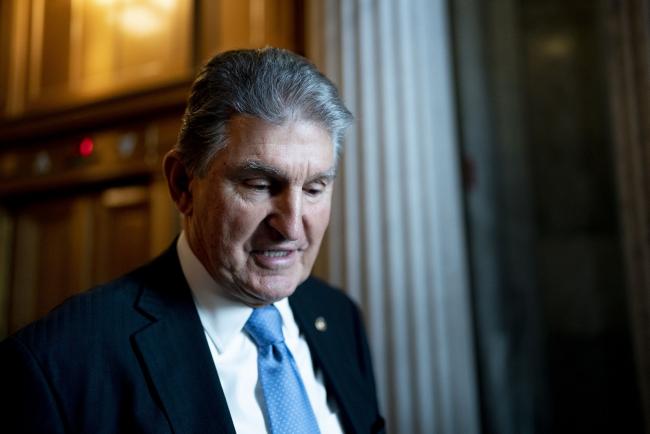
x=265, y=326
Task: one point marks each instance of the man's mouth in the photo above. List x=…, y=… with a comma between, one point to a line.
x=275, y=259
x=275, y=253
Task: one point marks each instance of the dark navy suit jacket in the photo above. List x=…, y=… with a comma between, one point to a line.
x=131, y=356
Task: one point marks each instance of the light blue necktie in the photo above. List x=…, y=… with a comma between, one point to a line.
x=287, y=405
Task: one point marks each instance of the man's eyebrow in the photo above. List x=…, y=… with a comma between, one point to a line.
x=259, y=167
x=327, y=175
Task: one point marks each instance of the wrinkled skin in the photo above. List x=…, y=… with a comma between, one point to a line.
x=258, y=216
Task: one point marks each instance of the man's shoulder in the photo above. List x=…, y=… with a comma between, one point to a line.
x=90, y=318
x=319, y=298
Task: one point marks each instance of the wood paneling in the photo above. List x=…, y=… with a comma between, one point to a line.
x=64, y=245
x=122, y=232
x=113, y=71
x=229, y=25
x=51, y=256
x=75, y=51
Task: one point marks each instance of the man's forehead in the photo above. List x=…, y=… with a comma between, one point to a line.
x=252, y=137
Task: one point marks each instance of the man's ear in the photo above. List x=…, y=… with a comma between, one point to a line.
x=178, y=181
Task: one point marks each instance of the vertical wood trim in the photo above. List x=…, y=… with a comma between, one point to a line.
x=165, y=219
x=36, y=47
x=75, y=60
x=257, y=22
x=18, y=62
x=206, y=34
x=24, y=284
x=82, y=227
x=6, y=16
x=6, y=267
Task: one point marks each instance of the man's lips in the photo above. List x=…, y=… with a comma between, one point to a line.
x=275, y=258
x=273, y=253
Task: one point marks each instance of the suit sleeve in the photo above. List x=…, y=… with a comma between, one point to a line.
x=28, y=402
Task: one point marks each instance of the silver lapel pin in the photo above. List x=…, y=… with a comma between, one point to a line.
x=320, y=324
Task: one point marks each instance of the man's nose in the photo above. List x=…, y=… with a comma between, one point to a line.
x=287, y=214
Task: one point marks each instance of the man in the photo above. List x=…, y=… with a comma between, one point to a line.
x=224, y=332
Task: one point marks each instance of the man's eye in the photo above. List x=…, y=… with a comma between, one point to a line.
x=314, y=190
x=257, y=185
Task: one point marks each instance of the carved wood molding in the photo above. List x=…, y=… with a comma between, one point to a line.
x=98, y=114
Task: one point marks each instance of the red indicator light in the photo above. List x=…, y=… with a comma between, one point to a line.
x=86, y=147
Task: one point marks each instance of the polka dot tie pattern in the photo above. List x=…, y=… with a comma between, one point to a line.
x=288, y=410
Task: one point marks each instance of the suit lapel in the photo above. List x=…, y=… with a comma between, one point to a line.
x=175, y=355
x=341, y=378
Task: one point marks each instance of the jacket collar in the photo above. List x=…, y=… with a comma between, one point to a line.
x=174, y=353
x=325, y=345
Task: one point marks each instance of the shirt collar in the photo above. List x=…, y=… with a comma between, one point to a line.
x=222, y=317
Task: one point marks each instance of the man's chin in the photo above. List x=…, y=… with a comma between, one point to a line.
x=268, y=290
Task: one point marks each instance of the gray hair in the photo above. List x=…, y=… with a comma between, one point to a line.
x=271, y=84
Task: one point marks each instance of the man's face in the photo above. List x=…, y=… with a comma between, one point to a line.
x=258, y=216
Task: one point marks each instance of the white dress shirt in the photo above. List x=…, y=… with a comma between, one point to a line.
x=235, y=355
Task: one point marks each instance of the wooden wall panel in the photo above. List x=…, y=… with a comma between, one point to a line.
x=122, y=231
x=107, y=70
x=51, y=259
x=77, y=51
x=65, y=245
